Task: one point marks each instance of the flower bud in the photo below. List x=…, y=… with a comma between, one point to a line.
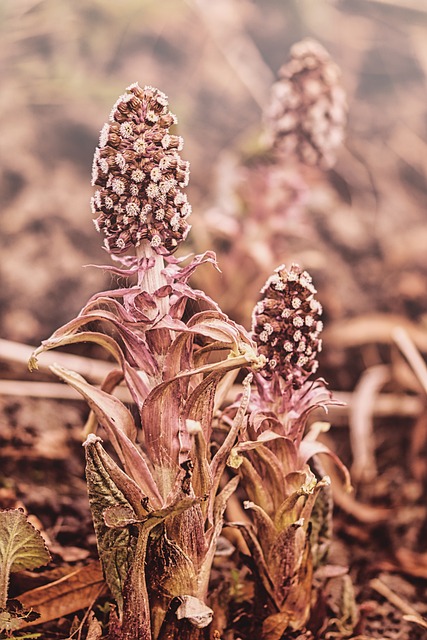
x=286, y=325
x=140, y=174
x=307, y=112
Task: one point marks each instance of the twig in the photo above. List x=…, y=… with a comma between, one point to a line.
x=411, y=614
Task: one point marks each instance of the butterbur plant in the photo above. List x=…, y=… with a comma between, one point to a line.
x=155, y=474
x=158, y=513
x=287, y=540
x=303, y=127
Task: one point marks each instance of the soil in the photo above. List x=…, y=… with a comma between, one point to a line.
x=361, y=232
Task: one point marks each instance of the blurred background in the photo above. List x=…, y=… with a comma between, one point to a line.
x=359, y=228
x=362, y=232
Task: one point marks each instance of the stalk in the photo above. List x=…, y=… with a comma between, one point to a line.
x=4, y=585
x=136, y=623
x=153, y=278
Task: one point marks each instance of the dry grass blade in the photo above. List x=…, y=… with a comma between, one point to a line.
x=362, y=424
x=373, y=328
x=54, y=390
x=223, y=20
x=410, y=613
x=411, y=353
x=412, y=563
x=410, y=5
x=386, y=404
x=346, y=501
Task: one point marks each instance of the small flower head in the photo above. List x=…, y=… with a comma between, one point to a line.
x=139, y=174
x=307, y=112
x=286, y=325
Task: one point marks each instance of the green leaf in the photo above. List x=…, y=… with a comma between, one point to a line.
x=21, y=547
x=115, y=546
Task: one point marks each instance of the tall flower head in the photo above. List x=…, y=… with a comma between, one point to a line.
x=307, y=112
x=286, y=325
x=140, y=175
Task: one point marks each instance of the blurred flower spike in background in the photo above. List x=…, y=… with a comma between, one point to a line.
x=307, y=112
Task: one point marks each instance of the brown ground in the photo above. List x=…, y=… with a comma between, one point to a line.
x=362, y=235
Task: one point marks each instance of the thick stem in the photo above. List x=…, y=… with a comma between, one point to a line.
x=4, y=584
x=152, y=279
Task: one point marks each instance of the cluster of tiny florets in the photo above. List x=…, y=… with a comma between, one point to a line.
x=286, y=325
x=140, y=173
x=307, y=112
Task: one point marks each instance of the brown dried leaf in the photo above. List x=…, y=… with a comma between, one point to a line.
x=94, y=631
x=75, y=591
x=274, y=626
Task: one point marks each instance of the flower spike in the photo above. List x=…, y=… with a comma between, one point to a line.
x=308, y=108
x=141, y=175
x=286, y=325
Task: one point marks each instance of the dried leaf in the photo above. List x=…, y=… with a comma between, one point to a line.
x=94, y=631
x=21, y=547
x=195, y=611
x=274, y=626
x=12, y=618
x=72, y=592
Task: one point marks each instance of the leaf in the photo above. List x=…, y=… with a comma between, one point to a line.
x=111, y=412
x=219, y=461
x=118, y=422
x=195, y=611
x=170, y=573
x=70, y=593
x=21, y=547
x=213, y=534
x=251, y=539
x=94, y=631
x=200, y=405
x=274, y=626
x=309, y=448
x=162, y=423
x=115, y=546
x=119, y=516
x=70, y=334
